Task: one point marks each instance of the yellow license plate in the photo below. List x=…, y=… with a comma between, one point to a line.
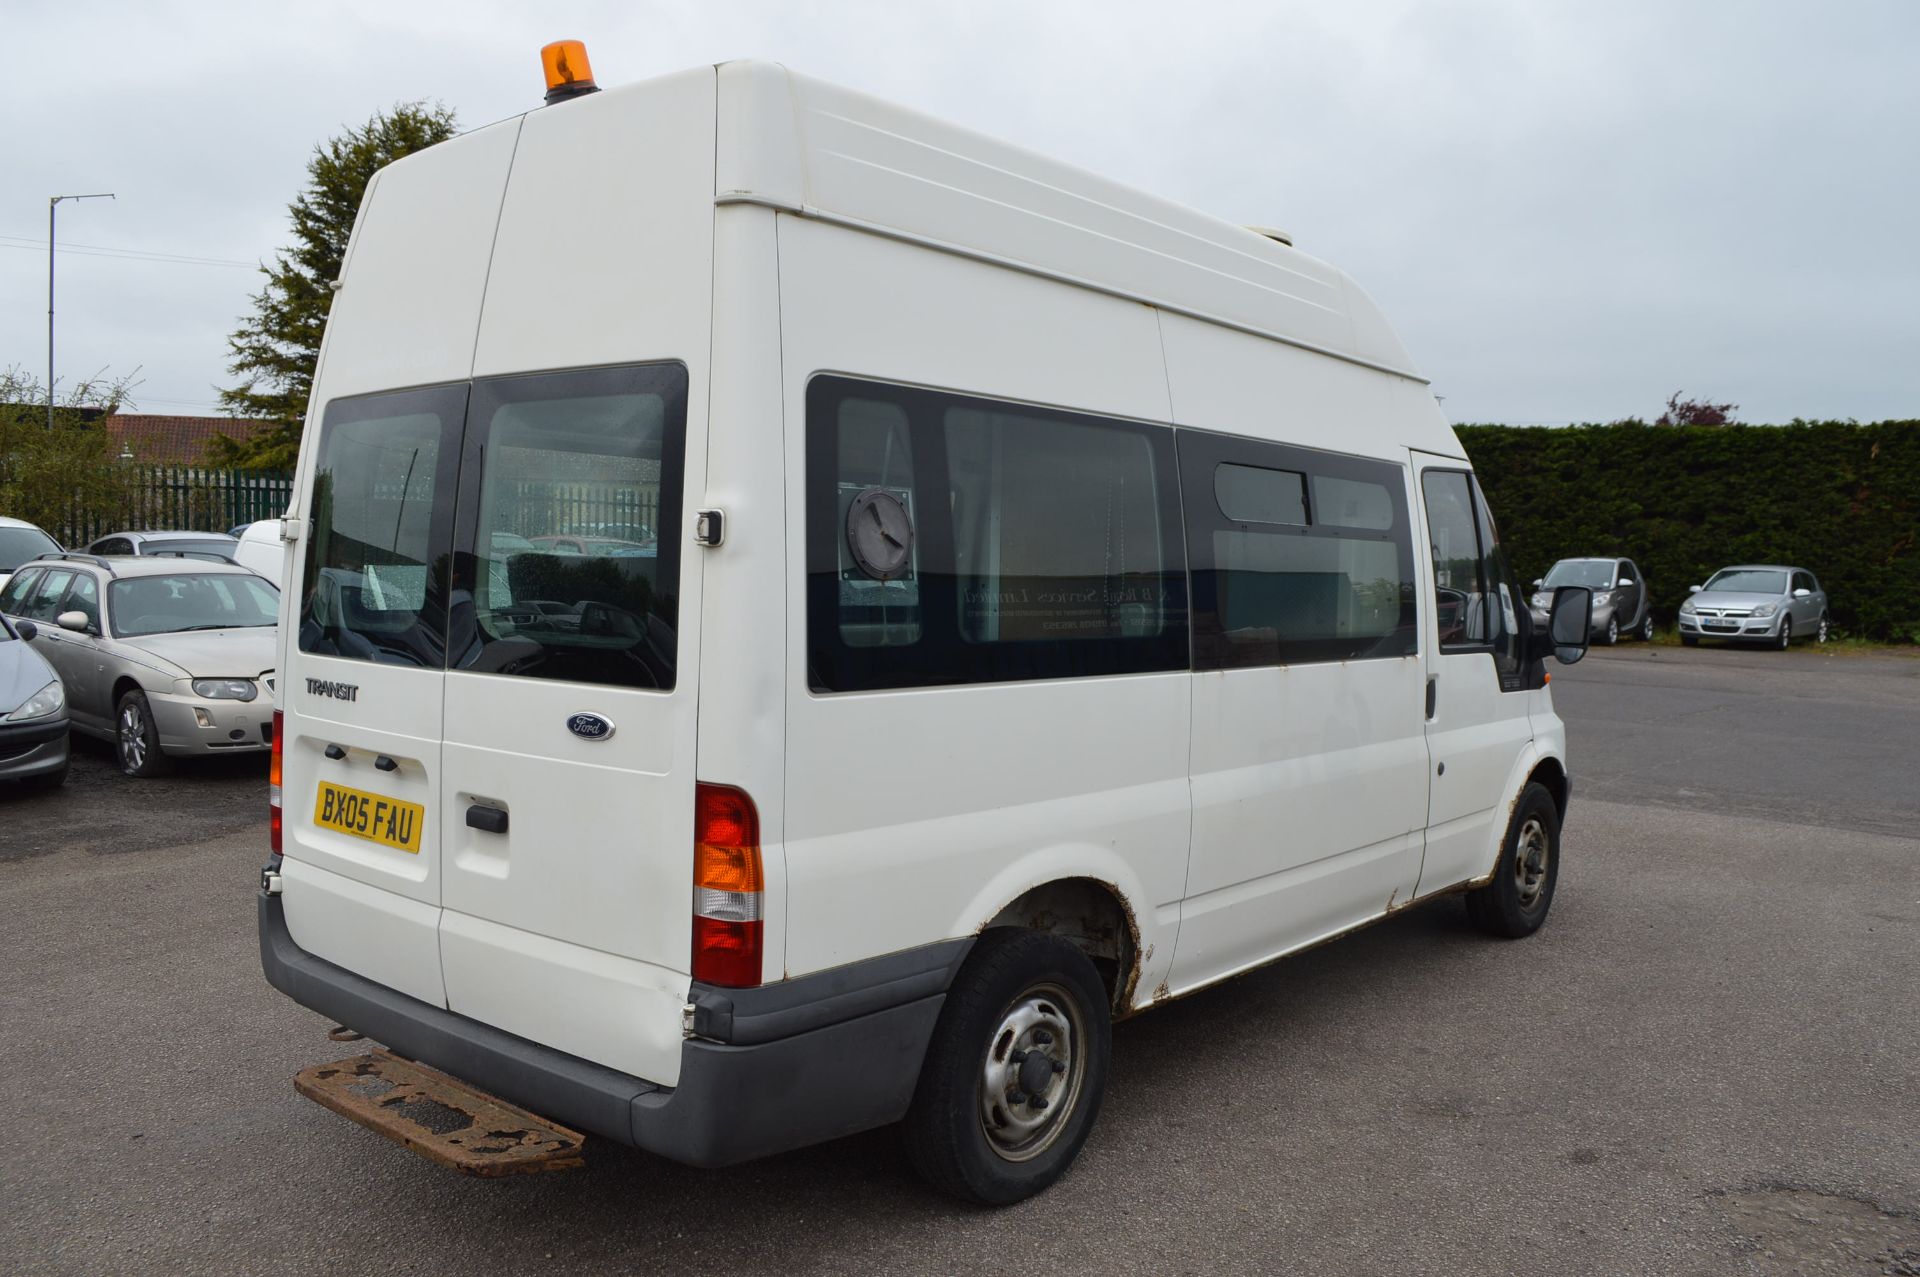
x=387, y=821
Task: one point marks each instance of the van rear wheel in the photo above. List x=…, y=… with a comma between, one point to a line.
x=1515, y=903
x=1015, y=1072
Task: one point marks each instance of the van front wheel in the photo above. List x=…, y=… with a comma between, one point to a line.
x=1014, y=1074
x=1515, y=903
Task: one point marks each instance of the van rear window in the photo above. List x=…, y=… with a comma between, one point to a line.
x=382, y=512
x=570, y=515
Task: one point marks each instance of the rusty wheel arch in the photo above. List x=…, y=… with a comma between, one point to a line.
x=1095, y=917
x=1550, y=773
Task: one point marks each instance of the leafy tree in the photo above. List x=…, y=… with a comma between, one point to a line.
x=275, y=348
x=1696, y=412
x=70, y=474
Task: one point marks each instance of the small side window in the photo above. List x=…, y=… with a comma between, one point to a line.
x=45, y=603
x=84, y=597
x=19, y=590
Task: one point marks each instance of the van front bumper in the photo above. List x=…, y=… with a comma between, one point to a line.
x=771, y=1069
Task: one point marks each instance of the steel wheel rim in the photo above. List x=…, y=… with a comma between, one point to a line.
x=1786, y=633
x=1532, y=858
x=133, y=737
x=1040, y=1044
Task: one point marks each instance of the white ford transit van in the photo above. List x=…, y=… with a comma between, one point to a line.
x=799, y=615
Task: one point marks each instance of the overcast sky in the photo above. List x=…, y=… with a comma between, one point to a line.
x=1569, y=210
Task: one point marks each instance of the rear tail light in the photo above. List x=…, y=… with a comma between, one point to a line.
x=728, y=887
x=273, y=784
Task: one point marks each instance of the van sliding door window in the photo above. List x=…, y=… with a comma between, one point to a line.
x=374, y=588
x=568, y=563
x=954, y=539
x=1297, y=556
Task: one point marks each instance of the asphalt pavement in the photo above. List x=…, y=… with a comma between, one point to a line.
x=1707, y=1062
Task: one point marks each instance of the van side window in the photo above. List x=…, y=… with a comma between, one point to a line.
x=568, y=563
x=953, y=539
x=374, y=587
x=1297, y=556
x=1459, y=583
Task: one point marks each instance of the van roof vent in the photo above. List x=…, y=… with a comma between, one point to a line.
x=1273, y=232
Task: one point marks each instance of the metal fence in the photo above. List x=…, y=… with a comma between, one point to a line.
x=190, y=498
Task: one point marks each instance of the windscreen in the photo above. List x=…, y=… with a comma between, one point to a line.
x=171, y=604
x=1749, y=581
x=23, y=545
x=1595, y=574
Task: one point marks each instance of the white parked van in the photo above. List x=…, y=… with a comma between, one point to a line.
x=798, y=615
x=260, y=550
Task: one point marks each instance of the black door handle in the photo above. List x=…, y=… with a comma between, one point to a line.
x=492, y=820
x=1433, y=693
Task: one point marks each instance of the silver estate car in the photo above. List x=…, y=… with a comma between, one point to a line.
x=1762, y=602
x=1622, y=601
x=214, y=546
x=163, y=657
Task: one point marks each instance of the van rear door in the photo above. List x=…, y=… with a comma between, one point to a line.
x=362, y=642
x=573, y=673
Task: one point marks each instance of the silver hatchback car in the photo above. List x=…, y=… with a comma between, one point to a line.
x=1756, y=602
x=161, y=656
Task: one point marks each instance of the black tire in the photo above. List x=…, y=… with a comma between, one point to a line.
x=1785, y=639
x=1516, y=902
x=1825, y=625
x=1646, y=629
x=1010, y=973
x=1610, y=635
x=1689, y=640
x=136, y=741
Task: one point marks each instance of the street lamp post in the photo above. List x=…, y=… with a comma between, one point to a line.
x=53, y=202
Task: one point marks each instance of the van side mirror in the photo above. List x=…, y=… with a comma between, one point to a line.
x=26, y=630
x=1570, y=623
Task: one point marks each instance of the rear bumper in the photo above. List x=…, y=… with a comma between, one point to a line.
x=775, y=1068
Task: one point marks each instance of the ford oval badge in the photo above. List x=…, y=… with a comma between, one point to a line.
x=590, y=726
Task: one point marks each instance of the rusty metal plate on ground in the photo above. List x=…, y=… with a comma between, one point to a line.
x=440, y=1118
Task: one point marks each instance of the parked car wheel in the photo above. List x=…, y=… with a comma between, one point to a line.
x=1786, y=634
x=1689, y=640
x=1821, y=635
x=1646, y=629
x=1612, y=635
x=1015, y=1072
x=136, y=740
x=1515, y=903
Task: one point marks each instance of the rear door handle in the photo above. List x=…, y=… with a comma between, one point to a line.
x=1433, y=694
x=492, y=820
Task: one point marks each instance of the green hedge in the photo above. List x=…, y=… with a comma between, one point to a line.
x=1839, y=498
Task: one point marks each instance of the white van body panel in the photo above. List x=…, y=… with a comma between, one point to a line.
x=892, y=847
